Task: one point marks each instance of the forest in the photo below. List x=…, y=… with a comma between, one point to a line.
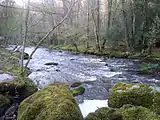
x=91, y=25
x=80, y=60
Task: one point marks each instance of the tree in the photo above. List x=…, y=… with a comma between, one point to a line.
x=48, y=33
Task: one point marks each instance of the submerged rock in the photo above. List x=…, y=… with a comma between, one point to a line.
x=134, y=94
x=76, y=84
x=26, y=56
x=51, y=63
x=54, y=102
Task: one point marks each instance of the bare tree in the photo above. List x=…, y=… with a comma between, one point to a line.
x=25, y=36
x=49, y=32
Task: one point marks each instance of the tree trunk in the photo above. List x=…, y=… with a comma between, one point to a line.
x=126, y=26
x=25, y=37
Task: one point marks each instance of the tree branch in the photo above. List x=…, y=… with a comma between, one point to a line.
x=49, y=32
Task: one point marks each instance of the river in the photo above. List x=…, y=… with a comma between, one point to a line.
x=97, y=74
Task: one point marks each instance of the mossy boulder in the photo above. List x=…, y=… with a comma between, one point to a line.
x=130, y=112
x=24, y=87
x=127, y=112
x=105, y=114
x=54, y=102
x=78, y=90
x=134, y=94
x=156, y=103
x=4, y=104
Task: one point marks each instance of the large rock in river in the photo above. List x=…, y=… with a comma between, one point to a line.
x=54, y=102
x=134, y=94
x=127, y=112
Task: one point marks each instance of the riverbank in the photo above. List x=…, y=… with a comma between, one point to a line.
x=117, y=53
x=149, y=64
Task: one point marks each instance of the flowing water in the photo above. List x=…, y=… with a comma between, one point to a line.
x=97, y=74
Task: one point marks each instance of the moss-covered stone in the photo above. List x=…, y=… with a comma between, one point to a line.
x=78, y=90
x=54, y=102
x=130, y=112
x=4, y=104
x=24, y=87
x=127, y=112
x=134, y=94
x=156, y=103
x=105, y=114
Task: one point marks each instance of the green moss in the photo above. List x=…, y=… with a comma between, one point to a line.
x=78, y=90
x=54, y=102
x=135, y=94
x=127, y=112
x=137, y=113
x=105, y=114
x=4, y=104
x=24, y=87
x=156, y=103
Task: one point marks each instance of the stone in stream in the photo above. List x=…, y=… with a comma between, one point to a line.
x=26, y=56
x=135, y=94
x=54, y=102
x=78, y=90
x=76, y=84
x=51, y=63
x=127, y=112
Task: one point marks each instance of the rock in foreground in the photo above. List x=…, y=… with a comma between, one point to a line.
x=134, y=94
x=22, y=87
x=54, y=102
x=127, y=112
